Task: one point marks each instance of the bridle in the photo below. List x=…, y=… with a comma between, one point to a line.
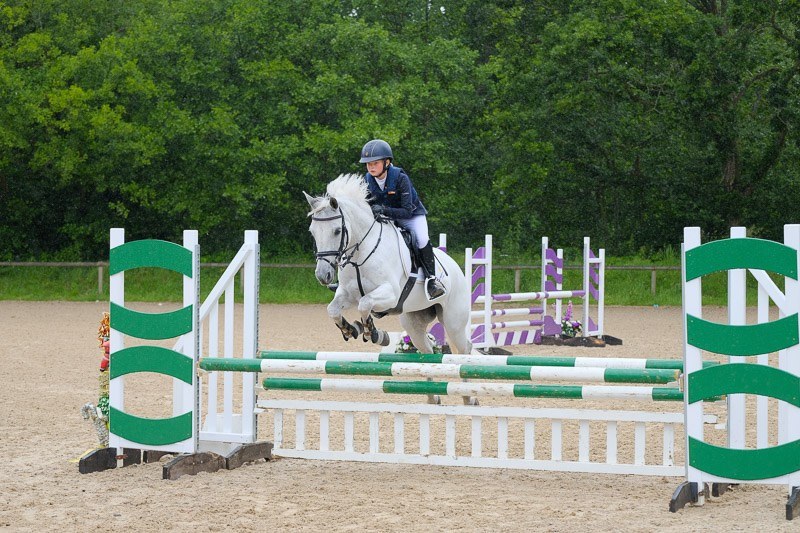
x=323, y=256
x=341, y=257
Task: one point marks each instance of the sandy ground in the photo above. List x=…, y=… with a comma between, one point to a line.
x=48, y=366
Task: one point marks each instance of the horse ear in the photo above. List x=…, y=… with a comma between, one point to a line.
x=313, y=202
x=334, y=203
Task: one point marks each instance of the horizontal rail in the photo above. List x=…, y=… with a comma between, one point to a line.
x=521, y=311
x=442, y=370
x=493, y=360
x=101, y=265
x=591, y=415
x=445, y=388
x=525, y=296
x=313, y=265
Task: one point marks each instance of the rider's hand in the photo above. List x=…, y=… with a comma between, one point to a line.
x=378, y=209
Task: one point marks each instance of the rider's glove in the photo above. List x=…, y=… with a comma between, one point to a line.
x=378, y=209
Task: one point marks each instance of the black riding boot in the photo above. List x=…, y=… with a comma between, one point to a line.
x=432, y=286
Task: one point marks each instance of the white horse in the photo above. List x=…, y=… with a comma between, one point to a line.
x=373, y=264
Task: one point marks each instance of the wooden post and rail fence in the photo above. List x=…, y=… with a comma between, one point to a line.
x=102, y=267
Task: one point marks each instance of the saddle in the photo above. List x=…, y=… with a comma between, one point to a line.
x=408, y=238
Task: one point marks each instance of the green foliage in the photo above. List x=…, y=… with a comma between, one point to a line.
x=624, y=120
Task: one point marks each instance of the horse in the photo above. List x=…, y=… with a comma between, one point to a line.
x=373, y=265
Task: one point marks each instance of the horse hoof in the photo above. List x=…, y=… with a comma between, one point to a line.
x=380, y=337
x=434, y=399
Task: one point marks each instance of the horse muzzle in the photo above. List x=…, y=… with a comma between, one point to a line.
x=324, y=272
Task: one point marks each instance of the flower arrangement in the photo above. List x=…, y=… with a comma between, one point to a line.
x=404, y=345
x=98, y=414
x=569, y=328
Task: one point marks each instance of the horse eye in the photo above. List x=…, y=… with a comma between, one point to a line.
x=337, y=232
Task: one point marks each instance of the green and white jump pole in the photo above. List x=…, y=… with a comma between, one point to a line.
x=445, y=388
x=492, y=360
x=442, y=370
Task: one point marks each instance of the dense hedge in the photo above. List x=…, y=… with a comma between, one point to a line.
x=621, y=119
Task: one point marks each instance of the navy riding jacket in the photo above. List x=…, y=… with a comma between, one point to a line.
x=399, y=197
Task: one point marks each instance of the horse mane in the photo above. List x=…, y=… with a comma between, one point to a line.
x=351, y=193
x=348, y=189
x=351, y=186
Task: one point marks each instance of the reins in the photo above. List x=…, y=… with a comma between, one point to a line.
x=348, y=259
x=342, y=260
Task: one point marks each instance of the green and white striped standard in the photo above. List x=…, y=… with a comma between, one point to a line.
x=442, y=370
x=443, y=388
x=493, y=360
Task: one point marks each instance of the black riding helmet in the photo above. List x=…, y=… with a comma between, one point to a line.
x=375, y=150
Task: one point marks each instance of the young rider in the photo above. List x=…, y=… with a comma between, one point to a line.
x=393, y=195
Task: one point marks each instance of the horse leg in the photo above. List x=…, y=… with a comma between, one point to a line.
x=455, y=330
x=372, y=333
x=349, y=331
x=416, y=325
x=383, y=297
x=335, y=308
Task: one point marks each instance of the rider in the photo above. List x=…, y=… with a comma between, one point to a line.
x=393, y=195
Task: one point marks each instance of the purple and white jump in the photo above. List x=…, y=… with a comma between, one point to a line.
x=593, y=286
x=478, y=266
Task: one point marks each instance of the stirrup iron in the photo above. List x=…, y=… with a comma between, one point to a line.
x=433, y=288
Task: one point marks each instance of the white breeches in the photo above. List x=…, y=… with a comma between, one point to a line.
x=418, y=226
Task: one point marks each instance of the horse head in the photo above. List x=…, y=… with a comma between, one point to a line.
x=329, y=230
x=338, y=220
